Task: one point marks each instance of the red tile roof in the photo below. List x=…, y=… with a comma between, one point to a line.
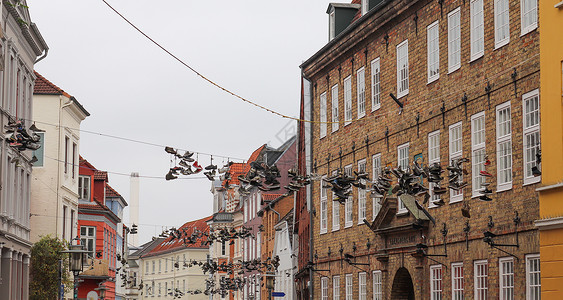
x=45, y=87
x=270, y=197
x=253, y=157
x=235, y=170
x=110, y=192
x=171, y=244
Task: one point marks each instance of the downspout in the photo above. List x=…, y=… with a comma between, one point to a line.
x=59, y=159
x=42, y=41
x=310, y=187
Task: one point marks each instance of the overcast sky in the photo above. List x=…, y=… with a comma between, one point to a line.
x=134, y=90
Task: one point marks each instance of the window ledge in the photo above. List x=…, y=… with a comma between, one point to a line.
x=431, y=80
x=532, y=180
x=454, y=68
x=402, y=94
x=505, y=187
x=456, y=199
x=531, y=28
x=335, y=229
x=376, y=108
x=323, y=232
x=476, y=57
x=348, y=225
x=501, y=44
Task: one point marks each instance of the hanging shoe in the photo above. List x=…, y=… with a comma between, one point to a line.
x=32, y=146
x=485, y=184
x=465, y=210
x=35, y=129
x=33, y=159
x=211, y=167
x=170, y=176
x=487, y=162
x=439, y=202
x=197, y=167
x=536, y=171
x=485, y=198
x=485, y=191
x=439, y=190
x=485, y=173
x=170, y=150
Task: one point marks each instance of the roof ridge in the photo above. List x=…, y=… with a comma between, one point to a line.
x=47, y=82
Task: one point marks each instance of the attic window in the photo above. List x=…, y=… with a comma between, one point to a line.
x=331, y=25
x=365, y=6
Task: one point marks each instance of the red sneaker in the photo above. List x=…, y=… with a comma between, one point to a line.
x=485, y=173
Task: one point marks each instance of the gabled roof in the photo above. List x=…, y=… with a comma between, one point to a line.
x=100, y=175
x=145, y=248
x=46, y=87
x=110, y=192
x=171, y=244
x=97, y=207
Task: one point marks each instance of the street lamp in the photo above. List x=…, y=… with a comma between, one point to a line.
x=102, y=289
x=76, y=256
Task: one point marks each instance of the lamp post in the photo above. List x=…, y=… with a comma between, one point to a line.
x=76, y=256
x=102, y=290
x=270, y=283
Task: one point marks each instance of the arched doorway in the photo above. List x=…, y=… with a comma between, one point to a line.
x=402, y=286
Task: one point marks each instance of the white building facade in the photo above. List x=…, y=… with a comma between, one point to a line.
x=21, y=46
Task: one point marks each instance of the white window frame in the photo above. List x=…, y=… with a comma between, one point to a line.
x=524, y=13
x=480, y=279
x=349, y=286
x=402, y=209
x=323, y=208
x=83, y=192
x=375, y=84
x=436, y=287
x=362, y=199
x=335, y=210
x=502, y=139
x=454, y=40
x=334, y=105
x=365, y=7
x=506, y=278
x=361, y=91
x=376, y=170
x=349, y=204
x=324, y=288
x=331, y=25
x=347, y=100
x=477, y=29
x=362, y=286
x=529, y=154
x=456, y=196
x=336, y=287
x=533, y=285
x=478, y=151
x=457, y=281
x=84, y=238
x=433, y=51
x=323, y=115
x=502, y=29
x=377, y=285
x=403, y=57
x=433, y=158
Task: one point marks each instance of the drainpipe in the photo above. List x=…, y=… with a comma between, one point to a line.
x=59, y=159
x=310, y=187
x=41, y=40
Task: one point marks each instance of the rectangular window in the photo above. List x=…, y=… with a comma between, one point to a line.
x=147, y=267
x=88, y=239
x=477, y=151
x=376, y=165
x=66, y=153
x=72, y=223
x=377, y=286
x=223, y=248
x=433, y=45
x=477, y=29
x=375, y=84
x=73, y=160
x=323, y=114
x=361, y=89
x=347, y=100
x=334, y=92
x=84, y=187
x=433, y=157
x=457, y=281
x=403, y=69
x=361, y=194
x=528, y=15
x=403, y=163
x=40, y=153
x=481, y=273
x=502, y=23
x=349, y=286
x=362, y=286
x=456, y=152
x=349, y=202
x=436, y=282
x=454, y=40
x=506, y=278
x=533, y=283
x=64, y=222
x=531, y=119
x=335, y=211
x=504, y=147
x=324, y=208
x=336, y=287
x=324, y=288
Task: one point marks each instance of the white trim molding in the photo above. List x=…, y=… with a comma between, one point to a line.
x=548, y=224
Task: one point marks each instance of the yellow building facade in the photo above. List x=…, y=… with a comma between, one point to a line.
x=551, y=108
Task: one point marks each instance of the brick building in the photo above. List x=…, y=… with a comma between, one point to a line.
x=465, y=78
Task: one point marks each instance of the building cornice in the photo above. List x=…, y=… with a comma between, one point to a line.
x=549, y=224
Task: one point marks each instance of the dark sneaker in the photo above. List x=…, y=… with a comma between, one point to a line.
x=34, y=128
x=536, y=171
x=170, y=150
x=465, y=210
x=170, y=176
x=485, y=198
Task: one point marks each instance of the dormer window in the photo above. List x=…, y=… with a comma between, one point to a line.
x=365, y=6
x=84, y=188
x=331, y=25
